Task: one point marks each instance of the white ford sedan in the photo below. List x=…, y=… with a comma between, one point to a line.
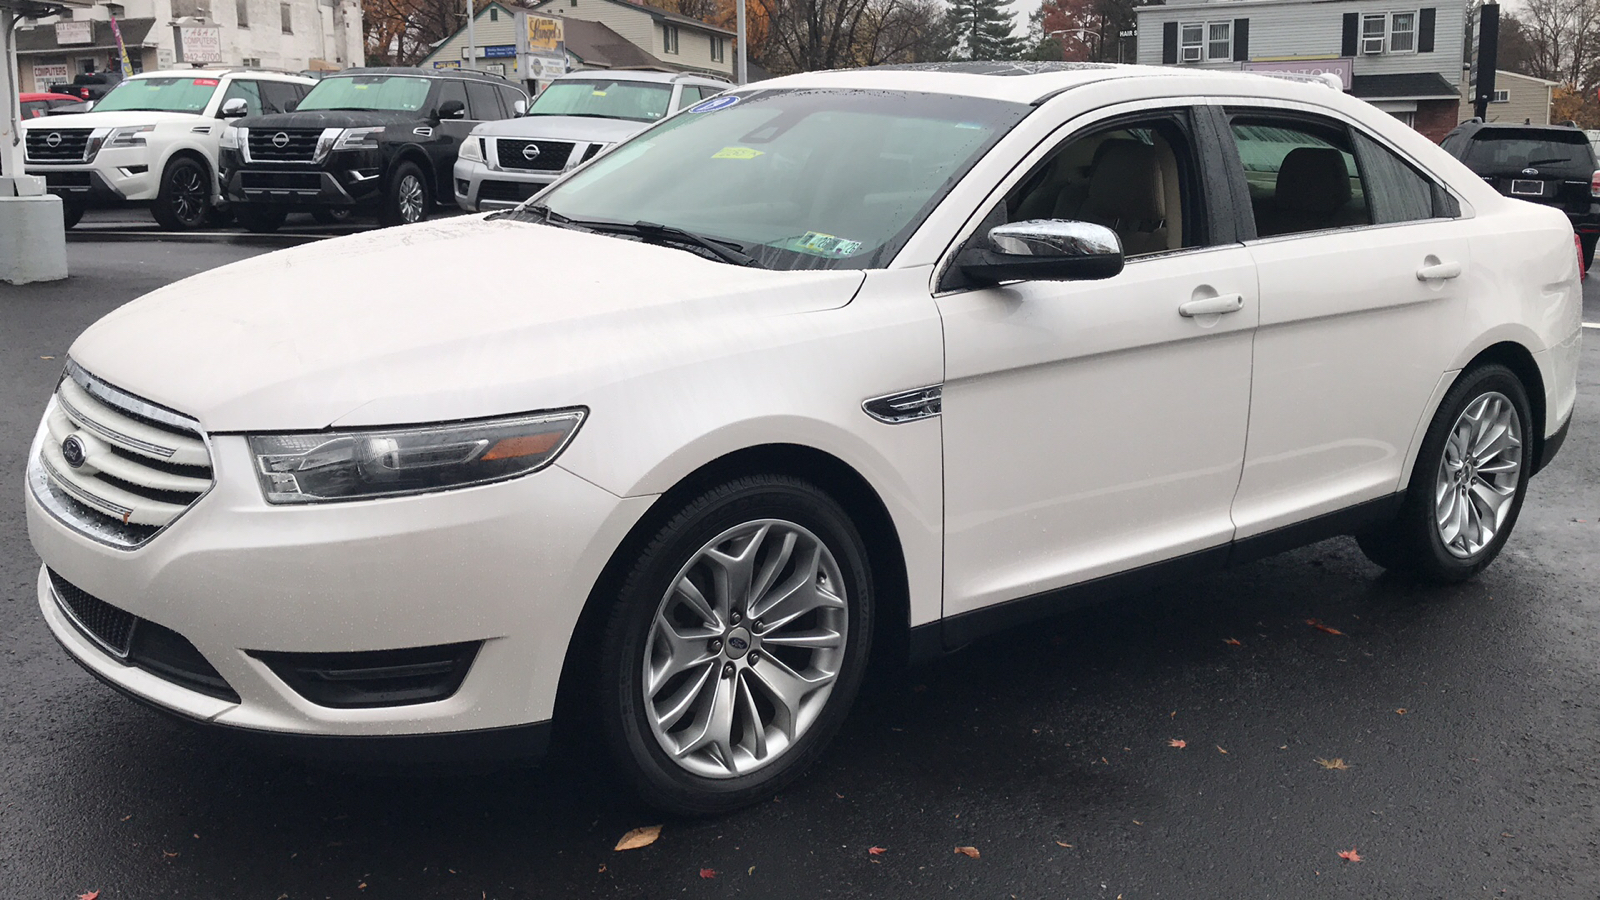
x=847, y=364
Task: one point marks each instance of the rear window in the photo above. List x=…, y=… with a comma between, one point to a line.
x=1529, y=147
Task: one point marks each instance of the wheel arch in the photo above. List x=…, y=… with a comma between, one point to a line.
x=842, y=482
x=413, y=154
x=1520, y=360
x=189, y=151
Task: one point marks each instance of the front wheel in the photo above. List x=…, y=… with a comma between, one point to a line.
x=1468, y=483
x=184, y=196
x=260, y=219
x=331, y=215
x=736, y=646
x=407, y=199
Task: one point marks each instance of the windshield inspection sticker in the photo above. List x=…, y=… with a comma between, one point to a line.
x=826, y=244
x=714, y=104
x=737, y=153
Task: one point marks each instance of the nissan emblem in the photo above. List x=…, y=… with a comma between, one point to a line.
x=530, y=152
x=53, y=139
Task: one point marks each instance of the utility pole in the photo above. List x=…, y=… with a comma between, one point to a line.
x=1487, y=59
x=741, y=71
x=472, y=39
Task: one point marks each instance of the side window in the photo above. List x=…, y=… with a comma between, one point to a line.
x=689, y=97
x=277, y=95
x=1399, y=192
x=1138, y=178
x=510, y=96
x=483, y=102
x=1301, y=174
x=249, y=90
x=451, y=90
x=33, y=109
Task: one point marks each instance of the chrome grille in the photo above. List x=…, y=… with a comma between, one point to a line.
x=548, y=156
x=58, y=144
x=138, y=466
x=283, y=144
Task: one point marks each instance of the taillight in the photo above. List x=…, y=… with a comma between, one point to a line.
x=1594, y=184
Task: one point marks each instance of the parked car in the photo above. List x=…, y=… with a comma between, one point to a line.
x=88, y=85
x=71, y=109
x=1550, y=164
x=380, y=139
x=35, y=106
x=151, y=140
x=578, y=115
x=841, y=365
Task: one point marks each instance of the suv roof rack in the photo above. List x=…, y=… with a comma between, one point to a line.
x=425, y=73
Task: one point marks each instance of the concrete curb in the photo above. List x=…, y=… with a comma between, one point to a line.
x=78, y=236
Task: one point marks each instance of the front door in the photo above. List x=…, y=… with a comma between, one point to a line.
x=1096, y=426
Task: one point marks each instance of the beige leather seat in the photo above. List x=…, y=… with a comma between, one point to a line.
x=1313, y=193
x=1127, y=193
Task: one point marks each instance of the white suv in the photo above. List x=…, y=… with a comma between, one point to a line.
x=504, y=163
x=152, y=139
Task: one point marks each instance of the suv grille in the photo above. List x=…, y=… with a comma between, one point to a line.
x=116, y=467
x=58, y=145
x=551, y=156
x=283, y=144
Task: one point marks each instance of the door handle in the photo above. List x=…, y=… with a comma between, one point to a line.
x=1439, y=271
x=1212, y=306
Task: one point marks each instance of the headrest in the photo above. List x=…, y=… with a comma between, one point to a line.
x=1312, y=179
x=1126, y=184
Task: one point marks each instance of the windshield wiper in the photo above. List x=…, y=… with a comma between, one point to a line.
x=727, y=251
x=1545, y=162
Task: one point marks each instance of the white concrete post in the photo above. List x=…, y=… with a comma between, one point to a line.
x=33, y=243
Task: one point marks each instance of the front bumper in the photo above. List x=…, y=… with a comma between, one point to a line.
x=478, y=187
x=510, y=565
x=118, y=175
x=346, y=179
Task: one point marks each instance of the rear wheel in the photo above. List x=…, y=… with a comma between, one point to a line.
x=331, y=215
x=1587, y=242
x=407, y=200
x=71, y=212
x=259, y=219
x=184, y=196
x=1468, y=483
x=736, y=646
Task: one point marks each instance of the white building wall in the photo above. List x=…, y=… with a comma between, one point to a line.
x=327, y=30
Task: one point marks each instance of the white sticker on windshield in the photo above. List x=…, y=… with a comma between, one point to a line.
x=714, y=104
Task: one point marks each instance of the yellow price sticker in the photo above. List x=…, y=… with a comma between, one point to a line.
x=597, y=93
x=736, y=153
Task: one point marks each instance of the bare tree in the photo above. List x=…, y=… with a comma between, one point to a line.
x=1555, y=39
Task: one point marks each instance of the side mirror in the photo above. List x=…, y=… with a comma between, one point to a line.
x=451, y=109
x=519, y=108
x=234, y=109
x=1044, y=250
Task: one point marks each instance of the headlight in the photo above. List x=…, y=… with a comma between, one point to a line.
x=359, y=138
x=129, y=136
x=472, y=149
x=352, y=465
x=232, y=137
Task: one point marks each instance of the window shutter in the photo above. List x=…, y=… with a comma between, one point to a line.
x=1241, y=40
x=1425, y=30
x=1352, y=29
x=1169, y=44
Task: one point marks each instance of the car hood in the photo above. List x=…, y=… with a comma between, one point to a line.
x=563, y=128
x=113, y=119
x=332, y=118
x=451, y=320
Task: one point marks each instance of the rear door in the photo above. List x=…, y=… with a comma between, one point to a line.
x=449, y=133
x=1364, y=272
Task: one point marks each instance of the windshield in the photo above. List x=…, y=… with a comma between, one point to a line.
x=642, y=101
x=799, y=179
x=1519, y=147
x=399, y=93
x=188, y=95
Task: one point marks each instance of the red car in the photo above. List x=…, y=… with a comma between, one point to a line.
x=36, y=105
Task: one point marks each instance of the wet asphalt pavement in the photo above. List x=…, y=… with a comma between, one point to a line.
x=1467, y=720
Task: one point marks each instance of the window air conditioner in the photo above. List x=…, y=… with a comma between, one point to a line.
x=1191, y=54
x=1371, y=46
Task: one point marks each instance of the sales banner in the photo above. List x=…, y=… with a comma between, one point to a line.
x=123, y=64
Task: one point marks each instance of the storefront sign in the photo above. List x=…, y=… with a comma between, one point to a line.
x=545, y=68
x=546, y=36
x=199, y=43
x=1344, y=67
x=447, y=64
x=500, y=51
x=46, y=75
x=74, y=33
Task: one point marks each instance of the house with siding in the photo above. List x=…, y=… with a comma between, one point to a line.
x=681, y=43
x=1517, y=99
x=1405, y=60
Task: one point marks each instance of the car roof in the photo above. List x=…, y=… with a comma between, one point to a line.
x=1495, y=126
x=45, y=95
x=647, y=75
x=413, y=71
x=1032, y=82
x=269, y=74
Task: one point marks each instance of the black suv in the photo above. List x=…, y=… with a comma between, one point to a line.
x=1549, y=164
x=382, y=139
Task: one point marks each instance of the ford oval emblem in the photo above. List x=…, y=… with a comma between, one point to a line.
x=736, y=642
x=72, y=450
x=530, y=152
x=280, y=139
x=53, y=139
x=1530, y=171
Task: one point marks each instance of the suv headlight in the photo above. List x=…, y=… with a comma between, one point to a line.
x=129, y=136
x=359, y=138
x=232, y=137
x=472, y=149
x=354, y=465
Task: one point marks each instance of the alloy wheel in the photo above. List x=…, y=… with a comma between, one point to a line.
x=411, y=198
x=188, y=194
x=745, y=648
x=1479, y=475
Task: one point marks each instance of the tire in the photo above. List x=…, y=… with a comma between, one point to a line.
x=219, y=217
x=184, y=196
x=1416, y=544
x=71, y=213
x=1587, y=241
x=407, y=199
x=331, y=215
x=739, y=657
x=260, y=219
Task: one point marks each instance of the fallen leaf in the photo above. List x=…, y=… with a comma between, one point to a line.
x=1175, y=742
x=1335, y=763
x=877, y=851
x=1233, y=642
x=971, y=852
x=602, y=867
x=639, y=837
x=1222, y=751
x=362, y=886
x=97, y=893
x=839, y=795
x=1325, y=629
x=1137, y=822
x=127, y=817
x=708, y=873
x=1401, y=711
x=1350, y=855
x=91, y=895
x=169, y=854
x=1063, y=844
x=752, y=871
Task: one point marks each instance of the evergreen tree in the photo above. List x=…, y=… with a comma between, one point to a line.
x=983, y=30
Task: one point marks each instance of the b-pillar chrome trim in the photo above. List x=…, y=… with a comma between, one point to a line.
x=906, y=406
